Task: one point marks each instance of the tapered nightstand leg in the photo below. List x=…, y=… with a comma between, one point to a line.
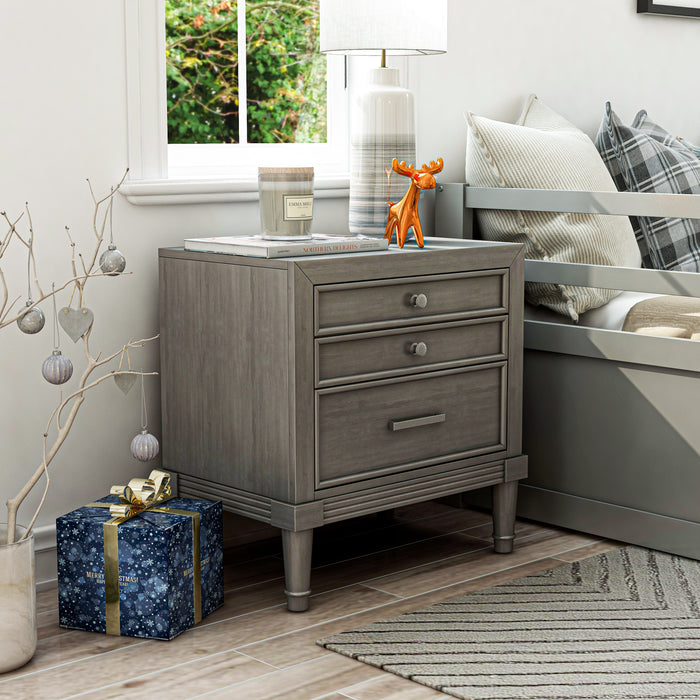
x=296, y=547
x=504, y=498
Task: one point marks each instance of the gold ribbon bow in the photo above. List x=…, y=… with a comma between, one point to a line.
x=140, y=494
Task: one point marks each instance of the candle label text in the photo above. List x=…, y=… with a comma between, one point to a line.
x=298, y=207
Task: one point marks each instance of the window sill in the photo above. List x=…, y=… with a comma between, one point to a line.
x=159, y=192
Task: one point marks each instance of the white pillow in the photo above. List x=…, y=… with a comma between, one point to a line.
x=544, y=151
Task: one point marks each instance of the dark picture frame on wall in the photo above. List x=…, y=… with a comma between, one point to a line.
x=685, y=8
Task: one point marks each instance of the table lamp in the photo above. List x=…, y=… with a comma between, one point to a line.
x=385, y=125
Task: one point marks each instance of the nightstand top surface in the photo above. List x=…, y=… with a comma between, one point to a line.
x=432, y=244
x=440, y=255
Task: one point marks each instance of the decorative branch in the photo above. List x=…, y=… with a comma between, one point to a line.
x=100, y=235
x=4, y=244
x=93, y=364
x=11, y=231
x=13, y=504
x=31, y=248
x=70, y=404
x=78, y=279
x=4, y=321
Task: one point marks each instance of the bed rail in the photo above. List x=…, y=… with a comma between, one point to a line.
x=628, y=279
x=682, y=206
x=454, y=207
x=456, y=202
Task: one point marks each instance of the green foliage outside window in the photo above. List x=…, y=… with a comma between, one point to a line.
x=286, y=75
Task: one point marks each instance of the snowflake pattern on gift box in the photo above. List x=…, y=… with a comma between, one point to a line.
x=155, y=568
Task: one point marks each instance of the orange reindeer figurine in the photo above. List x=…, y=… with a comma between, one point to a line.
x=404, y=214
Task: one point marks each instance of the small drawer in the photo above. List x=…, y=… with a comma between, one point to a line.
x=377, y=428
x=362, y=356
x=400, y=302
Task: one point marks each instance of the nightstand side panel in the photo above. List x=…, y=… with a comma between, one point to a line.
x=225, y=374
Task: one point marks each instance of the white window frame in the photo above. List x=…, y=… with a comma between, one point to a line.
x=231, y=175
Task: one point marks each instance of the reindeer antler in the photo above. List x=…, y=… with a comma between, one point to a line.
x=433, y=167
x=403, y=169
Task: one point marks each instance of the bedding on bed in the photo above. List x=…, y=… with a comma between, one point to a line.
x=671, y=316
x=635, y=312
x=610, y=316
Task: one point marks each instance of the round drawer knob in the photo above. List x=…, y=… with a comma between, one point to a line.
x=419, y=349
x=420, y=301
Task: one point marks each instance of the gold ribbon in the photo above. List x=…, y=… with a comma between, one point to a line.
x=139, y=496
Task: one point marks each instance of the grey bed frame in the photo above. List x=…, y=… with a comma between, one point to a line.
x=611, y=419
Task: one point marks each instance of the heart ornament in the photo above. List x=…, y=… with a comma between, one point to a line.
x=75, y=322
x=125, y=381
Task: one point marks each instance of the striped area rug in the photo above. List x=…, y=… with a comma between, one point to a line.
x=625, y=624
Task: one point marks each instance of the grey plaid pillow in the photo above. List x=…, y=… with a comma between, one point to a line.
x=644, y=157
x=695, y=150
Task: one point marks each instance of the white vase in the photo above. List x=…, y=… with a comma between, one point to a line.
x=17, y=601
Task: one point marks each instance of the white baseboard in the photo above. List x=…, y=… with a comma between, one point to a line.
x=45, y=556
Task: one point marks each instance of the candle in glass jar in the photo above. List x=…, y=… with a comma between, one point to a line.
x=286, y=203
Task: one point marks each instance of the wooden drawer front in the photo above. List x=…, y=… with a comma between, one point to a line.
x=391, y=425
x=361, y=356
x=399, y=302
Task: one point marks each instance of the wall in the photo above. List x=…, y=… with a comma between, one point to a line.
x=62, y=81
x=574, y=55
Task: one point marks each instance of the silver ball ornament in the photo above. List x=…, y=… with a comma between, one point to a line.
x=145, y=446
x=57, y=368
x=31, y=321
x=112, y=261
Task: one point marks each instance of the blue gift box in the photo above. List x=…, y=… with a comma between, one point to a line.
x=158, y=592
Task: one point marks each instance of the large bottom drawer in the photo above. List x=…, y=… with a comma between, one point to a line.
x=368, y=430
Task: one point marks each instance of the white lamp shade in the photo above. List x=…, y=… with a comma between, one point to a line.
x=400, y=27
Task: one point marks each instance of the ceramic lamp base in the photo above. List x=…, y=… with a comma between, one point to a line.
x=384, y=130
x=371, y=190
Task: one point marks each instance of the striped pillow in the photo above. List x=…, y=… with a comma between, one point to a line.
x=644, y=157
x=544, y=151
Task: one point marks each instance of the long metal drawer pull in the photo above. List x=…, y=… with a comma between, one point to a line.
x=416, y=422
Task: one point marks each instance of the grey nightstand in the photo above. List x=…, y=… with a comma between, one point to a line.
x=303, y=391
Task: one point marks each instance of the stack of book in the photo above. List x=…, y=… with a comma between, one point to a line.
x=256, y=246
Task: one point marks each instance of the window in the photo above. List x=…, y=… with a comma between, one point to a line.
x=244, y=72
x=247, y=86
x=193, y=172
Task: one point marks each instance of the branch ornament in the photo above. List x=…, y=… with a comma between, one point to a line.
x=76, y=322
x=112, y=261
x=33, y=319
x=125, y=379
x=144, y=446
x=57, y=368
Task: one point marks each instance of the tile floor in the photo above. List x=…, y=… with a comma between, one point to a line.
x=365, y=570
